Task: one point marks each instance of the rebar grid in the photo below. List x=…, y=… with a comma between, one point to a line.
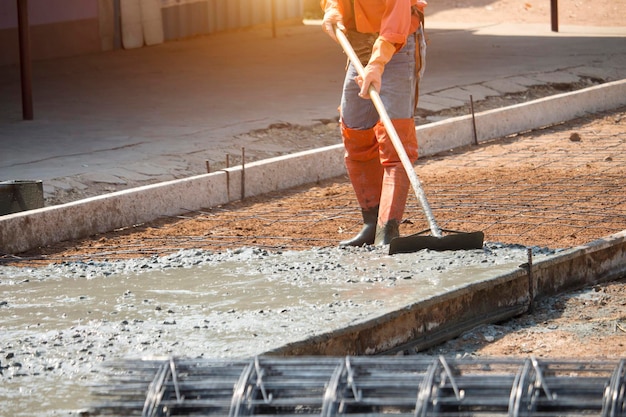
x=556, y=187
x=365, y=386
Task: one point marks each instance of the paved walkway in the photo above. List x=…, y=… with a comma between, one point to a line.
x=132, y=117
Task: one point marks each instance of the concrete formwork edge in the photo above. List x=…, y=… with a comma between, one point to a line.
x=23, y=231
x=429, y=322
x=599, y=261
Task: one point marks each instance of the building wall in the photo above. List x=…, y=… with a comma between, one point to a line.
x=58, y=28
x=72, y=27
x=183, y=18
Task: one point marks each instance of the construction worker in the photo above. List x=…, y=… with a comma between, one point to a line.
x=383, y=34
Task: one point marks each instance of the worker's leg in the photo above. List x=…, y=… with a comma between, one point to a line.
x=397, y=94
x=358, y=117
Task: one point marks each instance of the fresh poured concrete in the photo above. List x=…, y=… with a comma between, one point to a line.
x=62, y=321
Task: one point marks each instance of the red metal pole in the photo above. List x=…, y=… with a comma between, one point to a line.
x=273, y=18
x=554, y=12
x=25, y=60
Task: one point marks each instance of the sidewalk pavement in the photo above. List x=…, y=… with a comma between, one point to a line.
x=127, y=118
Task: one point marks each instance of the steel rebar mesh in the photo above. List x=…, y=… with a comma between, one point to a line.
x=363, y=386
x=539, y=188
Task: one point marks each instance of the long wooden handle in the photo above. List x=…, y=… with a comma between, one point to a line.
x=391, y=131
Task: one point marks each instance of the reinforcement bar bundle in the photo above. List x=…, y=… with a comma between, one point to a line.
x=364, y=386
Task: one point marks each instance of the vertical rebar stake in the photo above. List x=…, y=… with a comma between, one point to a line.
x=273, y=12
x=473, y=120
x=208, y=167
x=243, y=173
x=531, y=281
x=227, y=178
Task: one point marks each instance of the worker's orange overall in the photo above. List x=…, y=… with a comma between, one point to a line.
x=377, y=175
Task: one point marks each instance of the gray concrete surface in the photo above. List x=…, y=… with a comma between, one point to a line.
x=156, y=114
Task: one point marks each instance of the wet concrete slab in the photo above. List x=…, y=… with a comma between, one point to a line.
x=61, y=322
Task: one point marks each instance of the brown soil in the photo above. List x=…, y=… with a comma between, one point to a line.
x=608, y=13
x=585, y=325
x=557, y=187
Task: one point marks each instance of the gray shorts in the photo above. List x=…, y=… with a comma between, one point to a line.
x=397, y=91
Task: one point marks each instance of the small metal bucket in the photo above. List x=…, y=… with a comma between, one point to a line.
x=20, y=195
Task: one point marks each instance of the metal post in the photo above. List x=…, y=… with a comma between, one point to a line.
x=531, y=281
x=25, y=60
x=554, y=13
x=473, y=120
x=243, y=173
x=273, y=18
x=117, y=24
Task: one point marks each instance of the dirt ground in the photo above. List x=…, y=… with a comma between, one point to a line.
x=585, y=325
x=557, y=187
x=570, y=12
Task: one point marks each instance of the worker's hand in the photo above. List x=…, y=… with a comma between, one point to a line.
x=421, y=5
x=332, y=19
x=382, y=52
x=373, y=77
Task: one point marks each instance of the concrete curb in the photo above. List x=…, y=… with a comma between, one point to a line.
x=492, y=124
x=30, y=229
x=432, y=321
x=23, y=231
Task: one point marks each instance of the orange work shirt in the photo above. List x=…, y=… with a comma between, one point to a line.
x=391, y=19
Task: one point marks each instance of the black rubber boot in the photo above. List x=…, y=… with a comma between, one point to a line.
x=368, y=232
x=384, y=234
